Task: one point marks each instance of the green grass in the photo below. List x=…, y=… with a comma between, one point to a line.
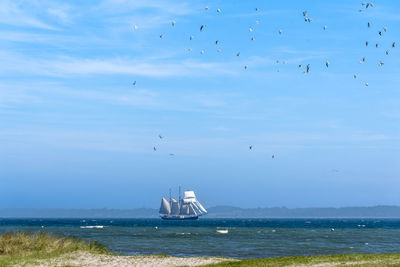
x=23, y=248
x=331, y=260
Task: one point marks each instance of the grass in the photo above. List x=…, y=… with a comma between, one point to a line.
x=20, y=249
x=321, y=261
x=23, y=248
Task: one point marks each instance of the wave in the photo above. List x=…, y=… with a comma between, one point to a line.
x=93, y=226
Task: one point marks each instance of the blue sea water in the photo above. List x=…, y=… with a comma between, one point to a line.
x=246, y=238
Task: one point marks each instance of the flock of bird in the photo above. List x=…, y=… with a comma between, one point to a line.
x=305, y=67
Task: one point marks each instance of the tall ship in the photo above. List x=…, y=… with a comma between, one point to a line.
x=186, y=208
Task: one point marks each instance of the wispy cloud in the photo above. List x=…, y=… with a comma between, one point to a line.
x=11, y=13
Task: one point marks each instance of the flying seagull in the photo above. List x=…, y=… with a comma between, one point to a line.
x=202, y=27
x=173, y=23
x=308, y=68
x=218, y=50
x=369, y=25
x=273, y=156
x=206, y=8
x=366, y=43
x=245, y=67
x=280, y=31
x=219, y=10
x=161, y=36
x=250, y=29
x=154, y=148
x=216, y=42
x=257, y=9
x=135, y=27
x=250, y=147
x=366, y=84
x=252, y=38
x=160, y=136
x=387, y=52
x=384, y=29
x=377, y=45
x=324, y=27
x=380, y=63
x=380, y=33
x=327, y=63
x=394, y=45
x=304, y=13
x=355, y=76
x=299, y=65
x=134, y=83
x=202, y=52
x=238, y=54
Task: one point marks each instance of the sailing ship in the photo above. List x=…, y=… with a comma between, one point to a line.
x=186, y=208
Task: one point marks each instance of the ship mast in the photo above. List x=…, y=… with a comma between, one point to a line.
x=170, y=197
x=179, y=194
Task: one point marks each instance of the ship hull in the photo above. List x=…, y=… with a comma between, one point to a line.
x=179, y=218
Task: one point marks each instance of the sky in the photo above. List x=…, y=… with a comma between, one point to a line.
x=76, y=133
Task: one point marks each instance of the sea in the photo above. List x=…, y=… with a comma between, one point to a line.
x=233, y=238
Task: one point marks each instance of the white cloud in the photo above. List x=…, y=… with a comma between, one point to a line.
x=12, y=14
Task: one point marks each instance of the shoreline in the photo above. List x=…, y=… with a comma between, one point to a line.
x=43, y=249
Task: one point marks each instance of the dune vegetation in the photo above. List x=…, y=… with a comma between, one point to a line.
x=18, y=248
x=43, y=249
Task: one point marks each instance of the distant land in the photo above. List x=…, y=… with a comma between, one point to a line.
x=214, y=212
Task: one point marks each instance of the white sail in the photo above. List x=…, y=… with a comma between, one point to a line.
x=165, y=207
x=184, y=210
x=191, y=210
x=201, y=207
x=174, y=207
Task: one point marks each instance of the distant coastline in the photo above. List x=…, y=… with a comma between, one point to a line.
x=381, y=211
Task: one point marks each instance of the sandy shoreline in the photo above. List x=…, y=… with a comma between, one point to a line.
x=102, y=260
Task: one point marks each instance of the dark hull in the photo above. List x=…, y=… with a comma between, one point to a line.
x=179, y=218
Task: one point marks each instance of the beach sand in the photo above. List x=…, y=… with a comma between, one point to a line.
x=101, y=260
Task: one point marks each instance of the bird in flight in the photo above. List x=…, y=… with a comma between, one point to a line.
x=250, y=147
x=273, y=156
x=327, y=64
x=173, y=23
x=161, y=36
x=160, y=136
x=154, y=148
x=134, y=83
x=202, y=27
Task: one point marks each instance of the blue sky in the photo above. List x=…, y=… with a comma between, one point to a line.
x=75, y=132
